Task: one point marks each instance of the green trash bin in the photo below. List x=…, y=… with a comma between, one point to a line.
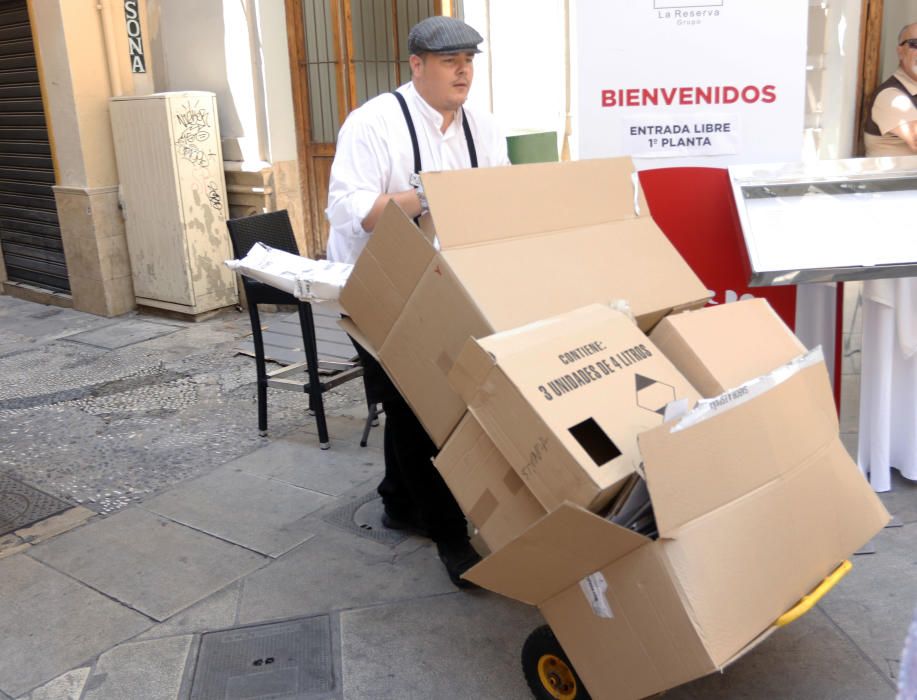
x=532, y=147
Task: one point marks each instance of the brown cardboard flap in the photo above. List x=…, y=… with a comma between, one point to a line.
x=405, y=250
x=557, y=551
x=744, y=565
x=486, y=204
x=385, y=274
x=694, y=471
x=753, y=644
x=524, y=279
x=470, y=370
x=350, y=328
x=722, y=346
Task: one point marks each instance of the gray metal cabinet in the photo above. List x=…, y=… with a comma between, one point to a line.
x=174, y=196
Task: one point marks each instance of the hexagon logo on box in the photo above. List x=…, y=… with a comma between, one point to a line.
x=653, y=395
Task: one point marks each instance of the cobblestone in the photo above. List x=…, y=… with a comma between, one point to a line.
x=110, y=428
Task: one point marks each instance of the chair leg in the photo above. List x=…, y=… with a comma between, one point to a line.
x=315, y=386
x=260, y=367
x=371, y=420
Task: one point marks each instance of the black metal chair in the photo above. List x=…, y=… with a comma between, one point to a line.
x=274, y=229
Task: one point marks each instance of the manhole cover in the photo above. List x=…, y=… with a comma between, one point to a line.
x=280, y=660
x=22, y=505
x=364, y=517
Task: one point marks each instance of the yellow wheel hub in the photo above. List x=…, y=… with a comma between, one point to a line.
x=557, y=677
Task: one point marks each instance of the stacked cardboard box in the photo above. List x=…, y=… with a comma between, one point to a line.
x=494, y=323
x=513, y=246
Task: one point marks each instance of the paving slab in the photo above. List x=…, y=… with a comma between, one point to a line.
x=338, y=570
x=347, y=427
x=68, y=686
x=901, y=501
x=266, y=515
x=294, y=459
x=123, y=333
x=152, y=670
x=872, y=604
x=452, y=646
x=215, y=612
x=39, y=322
x=148, y=562
x=809, y=659
x=50, y=624
x=55, y=525
x=11, y=544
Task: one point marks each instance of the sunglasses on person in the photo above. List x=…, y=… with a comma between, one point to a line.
x=911, y=43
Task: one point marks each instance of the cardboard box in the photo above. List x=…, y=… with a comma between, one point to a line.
x=755, y=506
x=564, y=400
x=517, y=244
x=487, y=488
x=719, y=347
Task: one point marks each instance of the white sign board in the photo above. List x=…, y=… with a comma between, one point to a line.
x=690, y=82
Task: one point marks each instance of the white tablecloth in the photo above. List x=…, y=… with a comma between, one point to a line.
x=888, y=381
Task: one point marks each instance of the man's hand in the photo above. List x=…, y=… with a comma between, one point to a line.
x=407, y=200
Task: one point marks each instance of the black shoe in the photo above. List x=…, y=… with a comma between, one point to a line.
x=395, y=522
x=458, y=556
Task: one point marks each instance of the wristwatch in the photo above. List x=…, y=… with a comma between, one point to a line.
x=418, y=188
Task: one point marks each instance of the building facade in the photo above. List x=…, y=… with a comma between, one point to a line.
x=285, y=74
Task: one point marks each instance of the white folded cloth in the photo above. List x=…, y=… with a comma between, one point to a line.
x=306, y=279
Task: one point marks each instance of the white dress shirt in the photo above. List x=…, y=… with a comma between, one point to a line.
x=374, y=156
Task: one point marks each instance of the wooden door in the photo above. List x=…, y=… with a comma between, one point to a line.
x=869, y=64
x=342, y=53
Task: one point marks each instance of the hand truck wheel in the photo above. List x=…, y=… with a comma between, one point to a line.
x=547, y=669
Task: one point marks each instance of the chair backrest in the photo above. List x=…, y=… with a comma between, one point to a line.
x=272, y=229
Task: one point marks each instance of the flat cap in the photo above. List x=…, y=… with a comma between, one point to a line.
x=443, y=35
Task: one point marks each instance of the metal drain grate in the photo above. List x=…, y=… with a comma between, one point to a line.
x=22, y=505
x=364, y=517
x=280, y=661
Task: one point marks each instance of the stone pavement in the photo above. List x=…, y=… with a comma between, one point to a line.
x=186, y=523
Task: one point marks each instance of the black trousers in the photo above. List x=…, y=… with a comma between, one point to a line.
x=411, y=486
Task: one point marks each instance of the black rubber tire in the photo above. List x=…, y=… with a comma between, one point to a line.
x=539, y=643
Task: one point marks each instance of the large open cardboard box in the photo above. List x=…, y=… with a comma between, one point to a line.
x=755, y=506
x=719, y=347
x=564, y=400
x=516, y=245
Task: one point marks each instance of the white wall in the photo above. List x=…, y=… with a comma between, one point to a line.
x=478, y=16
x=522, y=68
x=838, y=33
x=281, y=124
x=896, y=14
x=206, y=45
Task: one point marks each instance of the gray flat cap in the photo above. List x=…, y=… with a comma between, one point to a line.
x=443, y=35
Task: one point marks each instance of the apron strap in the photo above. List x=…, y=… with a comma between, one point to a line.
x=410, y=122
x=472, y=153
x=469, y=139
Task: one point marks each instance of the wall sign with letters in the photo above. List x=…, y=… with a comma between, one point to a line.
x=690, y=82
x=134, y=38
